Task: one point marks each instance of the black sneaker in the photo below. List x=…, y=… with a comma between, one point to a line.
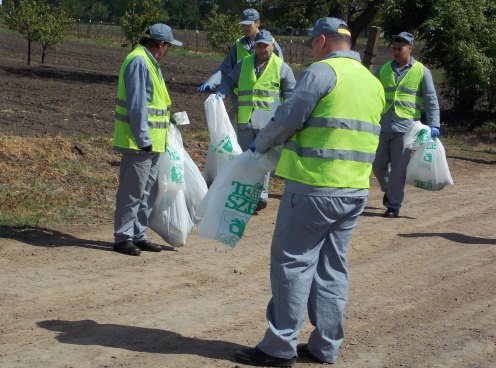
x=303, y=352
x=255, y=356
x=147, y=245
x=391, y=213
x=127, y=247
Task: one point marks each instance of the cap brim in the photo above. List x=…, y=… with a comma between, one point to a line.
x=401, y=39
x=176, y=43
x=247, y=22
x=265, y=42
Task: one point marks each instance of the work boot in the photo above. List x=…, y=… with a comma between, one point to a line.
x=147, y=245
x=391, y=213
x=255, y=356
x=303, y=352
x=127, y=247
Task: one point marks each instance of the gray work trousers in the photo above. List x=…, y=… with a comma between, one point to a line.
x=309, y=271
x=391, y=161
x=246, y=134
x=135, y=196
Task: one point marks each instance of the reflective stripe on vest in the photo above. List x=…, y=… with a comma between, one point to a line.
x=259, y=93
x=337, y=145
x=407, y=95
x=158, y=108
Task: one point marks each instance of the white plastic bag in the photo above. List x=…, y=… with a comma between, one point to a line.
x=428, y=168
x=224, y=144
x=233, y=197
x=171, y=163
x=260, y=118
x=196, y=187
x=170, y=217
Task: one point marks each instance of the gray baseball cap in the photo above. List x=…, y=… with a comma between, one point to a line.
x=249, y=16
x=264, y=37
x=328, y=25
x=404, y=37
x=162, y=32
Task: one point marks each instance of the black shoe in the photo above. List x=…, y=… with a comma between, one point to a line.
x=255, y=356
x=127, y=247
x=147, y=245
x=391, y=212
x=303, y=352
x=262, y=204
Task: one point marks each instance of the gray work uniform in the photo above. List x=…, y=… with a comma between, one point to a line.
x=138, y=169
x=391, y=159
x=309, y=268
x=231, y=60
x=247, y=132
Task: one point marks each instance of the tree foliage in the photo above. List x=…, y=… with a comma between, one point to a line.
x=139, y=15
x=459, y=36
x=54, y=28
x=37, y=21
x=222, y=29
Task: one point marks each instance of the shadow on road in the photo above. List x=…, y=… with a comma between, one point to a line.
x=42, y=237
x=475, y=160
x=455, y=237
x=141, y=339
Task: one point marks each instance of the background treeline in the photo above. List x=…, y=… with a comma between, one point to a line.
x=457, y=37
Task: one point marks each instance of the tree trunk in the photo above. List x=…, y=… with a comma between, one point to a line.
x=43, y=53
x=29, y=52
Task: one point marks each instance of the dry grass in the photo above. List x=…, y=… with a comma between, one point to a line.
x=56, y=180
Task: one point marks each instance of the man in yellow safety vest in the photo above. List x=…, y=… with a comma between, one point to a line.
x=262, y=80
x=142, y=113
x=244, y=46
x=329, y=129
x=407, y=83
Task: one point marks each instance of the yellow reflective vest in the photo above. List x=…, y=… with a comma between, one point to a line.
x=406, y=96
x=158, y=108
x=337, y=145
x=257, y=94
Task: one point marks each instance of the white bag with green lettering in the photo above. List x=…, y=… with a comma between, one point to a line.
x=224, y=144
x=428, y=168
x=233, y=196
x=170, y=217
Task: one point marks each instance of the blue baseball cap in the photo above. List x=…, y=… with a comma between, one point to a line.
x=162, y=32
x=249, y=16
x=404, y=37
x=264, y=37
x=328, y=25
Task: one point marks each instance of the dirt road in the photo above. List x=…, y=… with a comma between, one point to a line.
x=422, y=286
x=422, y=290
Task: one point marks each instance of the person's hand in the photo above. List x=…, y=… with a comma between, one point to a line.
x=147, y=148
x=435, y=132
x=218, y=95
x=252, y=147
x=205, y=87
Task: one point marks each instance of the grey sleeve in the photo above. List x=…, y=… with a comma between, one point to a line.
x=138, y=89
x=312, y=85
x=430, y=99
x=224, y=69
x=278, y=50
x=287, y=81
x=230, y=81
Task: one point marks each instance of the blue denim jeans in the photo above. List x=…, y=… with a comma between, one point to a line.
x=309, y=271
